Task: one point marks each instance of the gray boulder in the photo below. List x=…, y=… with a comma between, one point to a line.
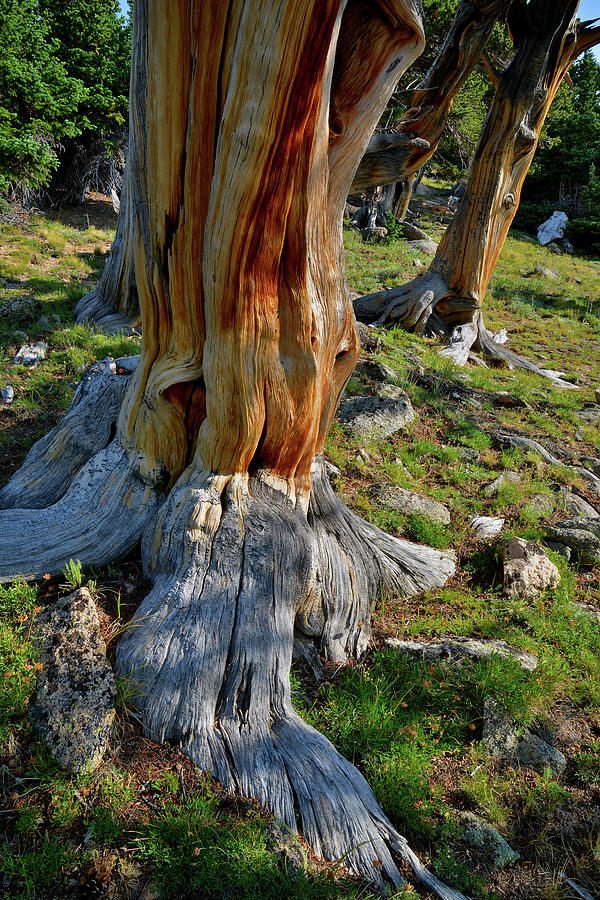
x=493, y=488
x=409, y=504
x=581, y=534
x=425, y=245
x=389, y=411
x=576, y=504
x=553, y=229
x=414, y=233
x=527, y=569
x=456, y=648
x=484, y=837
x=73, y=706
x=503, y=737
x=374, y=233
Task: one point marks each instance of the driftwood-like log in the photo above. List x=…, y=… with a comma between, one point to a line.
x=88, y=426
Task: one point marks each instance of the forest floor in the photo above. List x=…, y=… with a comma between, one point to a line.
x=147, y=824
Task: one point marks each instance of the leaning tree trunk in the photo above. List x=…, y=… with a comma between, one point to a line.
x=394, y=157
x=251, y=120
x=448, y=299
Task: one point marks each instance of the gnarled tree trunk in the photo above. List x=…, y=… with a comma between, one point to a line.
x=250, y=121
x=448, y=299
x=393, y=157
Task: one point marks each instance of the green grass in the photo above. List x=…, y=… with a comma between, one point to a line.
x=406, y=725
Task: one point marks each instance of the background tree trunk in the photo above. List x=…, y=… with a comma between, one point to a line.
x=448, y=299
x=249, y=123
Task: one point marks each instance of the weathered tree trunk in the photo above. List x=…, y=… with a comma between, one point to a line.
x=113, y=305
x=448, y=299
x=250, y=121
x=394, y=157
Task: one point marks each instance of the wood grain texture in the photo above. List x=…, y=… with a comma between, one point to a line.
x=248, y=122
x=393, y=157
x=53, y=461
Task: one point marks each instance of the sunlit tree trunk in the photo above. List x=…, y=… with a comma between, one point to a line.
x=250, y=120
x=448, y=299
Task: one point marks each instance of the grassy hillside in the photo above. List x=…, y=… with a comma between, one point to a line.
x=147, y=823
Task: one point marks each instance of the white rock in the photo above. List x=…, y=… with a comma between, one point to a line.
x=553, y=228
x=527, y=569
x=486, y=527
x=30, y=354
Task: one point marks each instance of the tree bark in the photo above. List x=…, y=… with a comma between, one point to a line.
x=547, y=40
x=249, y=123
x=394, y=157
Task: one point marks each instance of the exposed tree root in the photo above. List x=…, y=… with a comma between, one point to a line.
x=407, y=305
x=422, y=306
x=54, y=460
x=234, y=565
x=94, y=309
x=357, y=562
x=99, y=519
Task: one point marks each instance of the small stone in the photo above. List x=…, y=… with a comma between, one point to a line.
x=503, y=398
x=418, y=264
x=493, y=488
x=72, y=708
x=30, y=354
x=503, y=737
x=43, y=323
x=414, y=233
x=409, y=504
x=456, y=648
x=539, y=505
x=374, y=233
x=373, y=370
x=527, y=570
x=426, y=246
x=484, y=837
x=545, y=272
x=7, y=395
x=581, y=534
x=389, y=411
x=468, y=454
x=486, y=527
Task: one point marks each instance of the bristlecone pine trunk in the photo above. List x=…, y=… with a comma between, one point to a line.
x=249, y=120
x=113, y=305
x=448, y=299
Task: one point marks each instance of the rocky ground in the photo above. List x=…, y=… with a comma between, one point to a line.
x=476, y=713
